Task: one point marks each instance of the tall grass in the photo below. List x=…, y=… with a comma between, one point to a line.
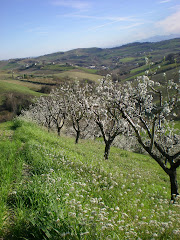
x=68, y=191
x=10, y=172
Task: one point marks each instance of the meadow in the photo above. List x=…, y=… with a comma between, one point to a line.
x=52, y=188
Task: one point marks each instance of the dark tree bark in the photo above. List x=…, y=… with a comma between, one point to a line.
x=107, y=148
x=77, y=136
x=59, y=127
x=174, y=184
x=107, y=139
x=59, y=131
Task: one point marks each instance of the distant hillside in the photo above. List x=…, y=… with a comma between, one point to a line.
x=124, y=62
x=34, y=76
x=124, y=58
x=99, y=58
x=110, y=57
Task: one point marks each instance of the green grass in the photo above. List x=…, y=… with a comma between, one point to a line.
x=177, y=125
x=164, y=68
x=55, y=189
x=76, y=75
x=139, y=69
x=92, y=71
x=168, y=67
x=10, y=169
x=56, y=67
x=10, y=65
x=12, y=87
x=127, y=59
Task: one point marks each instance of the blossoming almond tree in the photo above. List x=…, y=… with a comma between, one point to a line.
x=104, y=115
x=59, y=109
x=49, y=111
x=147, y=108
x=41, y=112
x=77, y=107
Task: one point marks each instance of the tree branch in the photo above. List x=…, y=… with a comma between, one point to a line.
x=176, y=164
x=102, y=130
x=167, y=156
x=155, y=157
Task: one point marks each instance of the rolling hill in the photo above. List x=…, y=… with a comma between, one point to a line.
x=34, y=75
x=98, y=57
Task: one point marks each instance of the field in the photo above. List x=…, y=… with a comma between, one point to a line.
x=53, y=189
x=79, y=75
x=32, y=82
x=17, y=86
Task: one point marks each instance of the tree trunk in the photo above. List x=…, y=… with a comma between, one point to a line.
x=77, y=136
x=107, y=148
x=174, y=184
x=59, y=131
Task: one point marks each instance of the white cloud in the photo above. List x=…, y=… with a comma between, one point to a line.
x=131, y=26
x=111, y=19
x=165, y=1
x=104, y=18
x=77, y=4
x=175, y=7
x=119, y=28
x=104, y=25
x=170, y=24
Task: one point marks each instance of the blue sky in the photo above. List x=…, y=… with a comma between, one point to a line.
x=36, y=27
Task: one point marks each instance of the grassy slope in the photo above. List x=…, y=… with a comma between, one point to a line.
x=79, y=75
x=54, y=189
x=34, y=83
x=11, y=86
x=7, y=86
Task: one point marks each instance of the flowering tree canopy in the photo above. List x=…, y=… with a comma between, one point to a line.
x=105, y=116
x=76, y=98
x=148, y=107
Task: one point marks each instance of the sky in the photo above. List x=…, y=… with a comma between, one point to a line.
x=37, y=27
